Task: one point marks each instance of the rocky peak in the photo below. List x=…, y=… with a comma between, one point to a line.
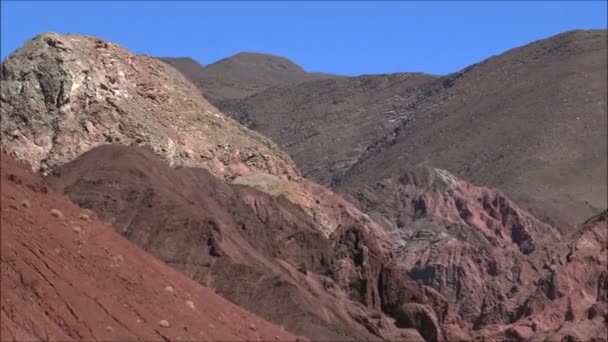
x=64, y=94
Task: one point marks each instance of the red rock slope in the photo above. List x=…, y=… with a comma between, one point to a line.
x=68, y=277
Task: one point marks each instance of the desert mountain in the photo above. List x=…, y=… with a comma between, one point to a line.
x=287, y=270
x=68, y=277
x=241, y=75
x=411, y=253
x=264, y=232
x=62, y=95
x=459, y=261
x=531, y=121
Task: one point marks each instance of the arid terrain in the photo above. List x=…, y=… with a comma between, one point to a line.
x=142, y=204
x=531, y=121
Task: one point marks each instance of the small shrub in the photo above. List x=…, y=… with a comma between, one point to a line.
x=56, y=213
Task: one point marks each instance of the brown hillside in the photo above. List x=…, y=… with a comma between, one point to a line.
x=261, y=252
x=531, y=121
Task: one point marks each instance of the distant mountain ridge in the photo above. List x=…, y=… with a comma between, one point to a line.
x=531, y=121
x=241, y=75
x=407, y=251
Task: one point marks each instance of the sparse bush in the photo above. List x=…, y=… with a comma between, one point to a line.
x=56, y=213
x=26, y=204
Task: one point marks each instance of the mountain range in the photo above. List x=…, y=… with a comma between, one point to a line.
x=159, y=199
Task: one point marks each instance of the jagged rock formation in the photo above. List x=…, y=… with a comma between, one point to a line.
x=506, y=273
x=68, y=277
x=62, y=95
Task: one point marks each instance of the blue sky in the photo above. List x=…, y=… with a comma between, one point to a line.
x=346, y=38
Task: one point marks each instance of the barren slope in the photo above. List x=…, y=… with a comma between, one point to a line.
x=328, y=124
x=531, y=121
x=69, y=277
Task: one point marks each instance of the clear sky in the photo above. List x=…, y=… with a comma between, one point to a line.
x=345, y=37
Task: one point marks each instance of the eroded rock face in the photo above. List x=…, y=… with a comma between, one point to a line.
x=429, y=192
x=62, y=95
x=504, y=272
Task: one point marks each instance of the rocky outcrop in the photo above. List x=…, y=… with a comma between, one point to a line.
x=64, y=94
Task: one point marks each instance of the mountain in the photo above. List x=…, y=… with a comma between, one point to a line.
x=62, y=95
x=205, y=195
x=241, y=75
x=411, y=253
x=328, y=124
x=531, y=121
x=66, y=276
x=220, y=235
x=457, y=261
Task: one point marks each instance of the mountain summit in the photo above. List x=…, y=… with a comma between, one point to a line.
x=242, y=75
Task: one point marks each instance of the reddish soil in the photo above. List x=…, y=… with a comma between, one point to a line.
x=65, y=278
